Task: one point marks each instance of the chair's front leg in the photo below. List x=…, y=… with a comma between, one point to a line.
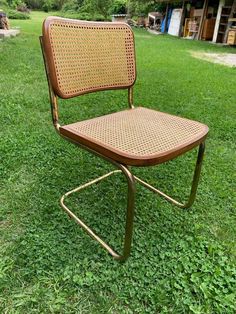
x=129, y=213
x=195, y=181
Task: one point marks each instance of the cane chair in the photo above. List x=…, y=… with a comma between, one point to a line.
x=83, y=57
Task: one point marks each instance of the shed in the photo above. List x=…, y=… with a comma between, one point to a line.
x=204, y=19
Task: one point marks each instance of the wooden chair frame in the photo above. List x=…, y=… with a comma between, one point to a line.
x=121, y=168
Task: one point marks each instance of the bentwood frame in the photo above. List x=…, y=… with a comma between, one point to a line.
x=121, y=166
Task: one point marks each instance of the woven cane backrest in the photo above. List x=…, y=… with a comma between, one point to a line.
x=84, y=57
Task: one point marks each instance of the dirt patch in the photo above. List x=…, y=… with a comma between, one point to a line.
x=153, y=32
x=228, y=59
x=143, y=36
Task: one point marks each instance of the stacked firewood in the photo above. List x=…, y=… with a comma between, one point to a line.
x=4, y=23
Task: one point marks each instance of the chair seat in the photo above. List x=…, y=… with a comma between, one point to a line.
x=138, y=137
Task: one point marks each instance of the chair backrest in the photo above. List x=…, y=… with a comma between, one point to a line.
x=84, y=57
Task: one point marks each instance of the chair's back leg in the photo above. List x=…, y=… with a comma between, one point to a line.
x=52, y=96
x=130, y=97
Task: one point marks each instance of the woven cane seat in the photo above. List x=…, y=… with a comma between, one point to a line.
x=137, y=136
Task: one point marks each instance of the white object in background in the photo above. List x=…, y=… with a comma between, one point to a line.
x=175, y=22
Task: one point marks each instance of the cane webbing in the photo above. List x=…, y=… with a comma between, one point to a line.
x=89, y=56
x=140, y=132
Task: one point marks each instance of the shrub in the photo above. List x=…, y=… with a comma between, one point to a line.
x=83, y=16
x=99, y=17
x=22, y=7
x=16, y=15
x=34, y=4
x=71, y=5
x=102, y=7
x=47, y=5
x=3, y=4
x=118, y=7
x=15, y=3
x=144, y=7
x=95, y=10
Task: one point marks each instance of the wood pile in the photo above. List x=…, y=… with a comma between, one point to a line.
x=4, y=23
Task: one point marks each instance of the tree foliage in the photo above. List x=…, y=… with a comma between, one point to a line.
x=118, y=7
x=92, y=7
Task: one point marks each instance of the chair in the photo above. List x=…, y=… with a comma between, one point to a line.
x=83, y=57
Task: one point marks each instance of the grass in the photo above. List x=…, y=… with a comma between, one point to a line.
x=182, y=261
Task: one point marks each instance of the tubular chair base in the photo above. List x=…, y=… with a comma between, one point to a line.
x=130, y=205
x=81, y=223
x=121, y=138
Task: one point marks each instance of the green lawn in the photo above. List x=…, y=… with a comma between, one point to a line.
x=182, y=261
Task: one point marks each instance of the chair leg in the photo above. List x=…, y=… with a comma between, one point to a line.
x=195, y=181
x=130, y=202
x=129, y=213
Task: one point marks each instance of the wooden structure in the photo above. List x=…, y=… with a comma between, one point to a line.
x=231, y=39
x=230, y=32
x=214, y=21
x=208, y=29
x=5, y=31
x=119, y=18
x=4, y=23
x=155, y=19
x=225, y=12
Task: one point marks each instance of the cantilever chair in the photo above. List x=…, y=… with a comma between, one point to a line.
x=83, y=57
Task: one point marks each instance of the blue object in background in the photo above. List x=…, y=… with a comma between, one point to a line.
x=168, y=21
